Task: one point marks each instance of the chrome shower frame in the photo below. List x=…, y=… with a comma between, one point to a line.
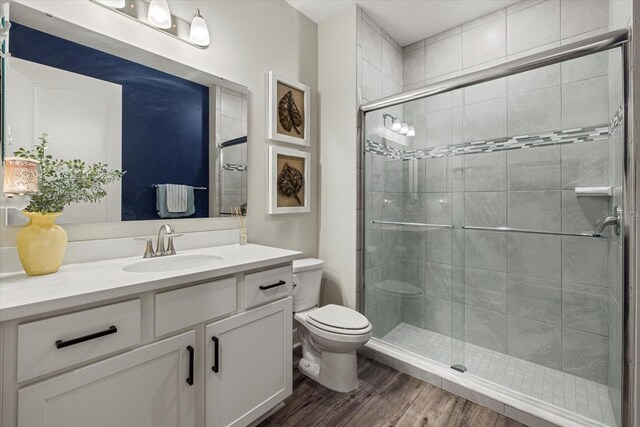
x=611, y=40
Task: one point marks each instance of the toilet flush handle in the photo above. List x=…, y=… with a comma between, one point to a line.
x=295, y=280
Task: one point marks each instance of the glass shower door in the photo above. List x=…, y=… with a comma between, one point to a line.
x=541, y=163
x=480, y=245
x=412, y=253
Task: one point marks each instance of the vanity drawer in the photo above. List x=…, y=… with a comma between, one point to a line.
x=48, y=345
x=268, y=285
x=188, y=306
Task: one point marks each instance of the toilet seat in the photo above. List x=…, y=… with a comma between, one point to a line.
x=339, y=320
x=337, y=337
x=335, y=333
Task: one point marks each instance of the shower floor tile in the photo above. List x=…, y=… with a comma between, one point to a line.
x=578, y=395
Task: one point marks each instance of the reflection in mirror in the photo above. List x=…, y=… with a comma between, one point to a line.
x=231, y=145
x=182, y=142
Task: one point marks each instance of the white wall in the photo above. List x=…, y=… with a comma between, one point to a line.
x=249, y=38
x=338, y=156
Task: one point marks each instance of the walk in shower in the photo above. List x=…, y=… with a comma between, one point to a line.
x=493, y=230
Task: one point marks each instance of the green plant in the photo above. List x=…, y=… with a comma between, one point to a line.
x=63, y=182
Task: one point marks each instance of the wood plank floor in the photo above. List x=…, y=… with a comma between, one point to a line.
x=385, y=397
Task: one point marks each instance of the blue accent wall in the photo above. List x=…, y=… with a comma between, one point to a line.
x=165, y=119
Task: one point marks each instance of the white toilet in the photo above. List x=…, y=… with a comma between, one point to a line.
x=329, y=335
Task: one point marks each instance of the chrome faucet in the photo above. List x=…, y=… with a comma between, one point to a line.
x=166, y=231
x=611, y=220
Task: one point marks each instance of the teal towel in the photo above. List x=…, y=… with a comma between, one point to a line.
x=161, y=203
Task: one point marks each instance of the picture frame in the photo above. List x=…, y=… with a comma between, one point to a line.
x=289, y=181
x=288, y=112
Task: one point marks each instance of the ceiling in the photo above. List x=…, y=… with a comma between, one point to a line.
x=406, y=21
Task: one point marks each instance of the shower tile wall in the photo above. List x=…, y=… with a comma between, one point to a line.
x=379, y=73
x=540, y=298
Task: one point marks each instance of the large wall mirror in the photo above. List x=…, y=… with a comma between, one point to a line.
x=100, y=100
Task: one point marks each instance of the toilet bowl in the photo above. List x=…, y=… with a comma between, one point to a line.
x=329, y=335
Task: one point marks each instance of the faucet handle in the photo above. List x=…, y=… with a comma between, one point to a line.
x=171, y=250
x=613, y=220
x=148, y=251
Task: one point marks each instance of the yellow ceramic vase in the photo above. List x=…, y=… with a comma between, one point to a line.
x=41, y=244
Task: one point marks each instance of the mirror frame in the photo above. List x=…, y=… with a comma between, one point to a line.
x=48, y=23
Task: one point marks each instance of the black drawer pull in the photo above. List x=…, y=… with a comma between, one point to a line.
x=216, y=350
x=190, y=377
x=275, y=285
x=61, y=344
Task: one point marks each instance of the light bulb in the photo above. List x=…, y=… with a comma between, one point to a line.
x=199, y=33
x=118, y=4
x=159, y=14
x=411, y=131
x=404, y=128
x=396, y=125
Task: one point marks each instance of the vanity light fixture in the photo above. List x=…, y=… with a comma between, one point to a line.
x=20, y=181
x=396, y=125
x=118, y=4
x=199, y=32
x=404, y=129
x=411, y=131
x=159, y=14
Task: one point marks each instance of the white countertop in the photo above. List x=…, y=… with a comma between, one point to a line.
x=90, y=282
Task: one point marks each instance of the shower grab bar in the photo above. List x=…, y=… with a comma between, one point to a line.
x=522, y=230
x=413, y=224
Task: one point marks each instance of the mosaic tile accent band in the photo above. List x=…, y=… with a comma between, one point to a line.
x=233, y=167
x=566, y=136
x=616, y=120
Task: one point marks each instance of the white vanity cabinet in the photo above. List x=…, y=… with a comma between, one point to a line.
x=150, y=386
x=144, y=358
x=248, y=364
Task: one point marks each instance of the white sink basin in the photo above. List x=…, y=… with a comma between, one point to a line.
x=171, y=262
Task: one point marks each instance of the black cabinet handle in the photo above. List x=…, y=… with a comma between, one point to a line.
x=190, y=377
x=275, y=285
x=61, y=344
x=216, y=350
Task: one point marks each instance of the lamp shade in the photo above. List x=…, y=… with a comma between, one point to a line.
x=118, y=4
x=199, y=33
x=20, y=176
x=159, y=14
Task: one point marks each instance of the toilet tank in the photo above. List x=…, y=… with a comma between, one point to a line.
x=307, y=276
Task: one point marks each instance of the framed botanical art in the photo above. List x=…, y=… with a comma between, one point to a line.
x=289, y=181
x=288, y=111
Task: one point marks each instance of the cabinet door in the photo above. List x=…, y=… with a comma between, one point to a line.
x=146, y=387
x=253, y=366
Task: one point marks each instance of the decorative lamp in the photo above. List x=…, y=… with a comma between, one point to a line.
x=20, y=180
